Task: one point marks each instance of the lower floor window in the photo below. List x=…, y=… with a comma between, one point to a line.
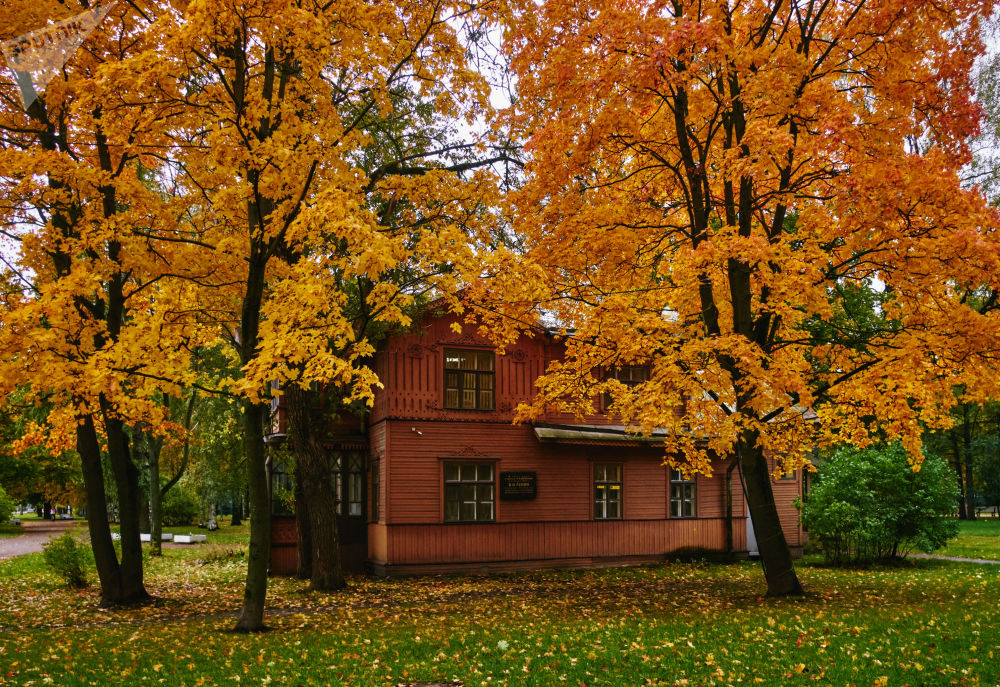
x=468, y=492
x=683, y=495
x=349, y=473
x=607, y=491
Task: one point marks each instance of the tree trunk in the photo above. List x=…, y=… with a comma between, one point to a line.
x=956, y=452
x=144, y=499
x=303, y=536
x=119, y=584
x=237, y=510
x=970, y=498
x=155, y=500
x=314, y=471
x=126, y=476
x=774, y=552
x=251, y=617
x=105, y=559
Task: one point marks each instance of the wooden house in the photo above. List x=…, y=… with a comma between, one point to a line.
x=439, y=479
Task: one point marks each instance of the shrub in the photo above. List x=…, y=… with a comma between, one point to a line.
x=180, y=507
x=7, y=506
x=869, y=505
x=70, y=557
x=223, y=553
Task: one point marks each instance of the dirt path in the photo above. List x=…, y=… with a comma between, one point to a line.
x=36, y=533
x=952, y=558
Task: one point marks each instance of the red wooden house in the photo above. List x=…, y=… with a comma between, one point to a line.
x=440, y=480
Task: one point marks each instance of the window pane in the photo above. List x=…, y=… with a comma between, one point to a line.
x=486, y=381
x=467, y=492
x=485, y=511
x=451, y=493
x=484, y=492
x=357, y=462
x=469, y=472
x=452, y=359
x=469, y=398
x=451, y=398
x=615, y=473
x=468, y=361
x=468, y=510
x=450, y=472
x=612, y=512
x=486, y=473
x=451, y=510
x=356, y=508
x=600, y=474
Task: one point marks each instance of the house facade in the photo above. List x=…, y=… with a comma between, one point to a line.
x=439, y=479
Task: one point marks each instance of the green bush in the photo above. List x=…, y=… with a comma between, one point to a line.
x=7, y=506
x=180, y=507
x=70, y=556
x=868, y=505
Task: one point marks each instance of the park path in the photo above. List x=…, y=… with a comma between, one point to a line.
x=952, y=558
x=36, y=533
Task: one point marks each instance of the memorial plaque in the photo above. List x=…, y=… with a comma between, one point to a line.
x=518, y=486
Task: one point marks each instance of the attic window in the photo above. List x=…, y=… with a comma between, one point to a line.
x=469, y=379
x=629, y=375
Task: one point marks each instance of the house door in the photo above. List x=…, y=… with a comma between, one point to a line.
x=352, y=526
x=752, y=549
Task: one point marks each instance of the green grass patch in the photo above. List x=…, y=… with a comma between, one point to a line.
x=930, y=623
x=976, y=539
x=7, y=531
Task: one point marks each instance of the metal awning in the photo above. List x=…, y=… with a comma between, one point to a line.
x=591, y=434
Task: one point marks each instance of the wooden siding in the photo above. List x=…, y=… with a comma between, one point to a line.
x=552, y=541
x=284, y=546
x=564, y=473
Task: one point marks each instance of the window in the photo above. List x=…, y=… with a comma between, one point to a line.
x=352, y=474
x=468, y=379
x=607, y=491
x=683, y=503
x=468, y=492
x=629, y=375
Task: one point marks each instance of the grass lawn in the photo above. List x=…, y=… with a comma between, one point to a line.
x=976, y=539
x=7, y=530
x=930, y=623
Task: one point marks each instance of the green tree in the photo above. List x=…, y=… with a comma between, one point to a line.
x=869, y=505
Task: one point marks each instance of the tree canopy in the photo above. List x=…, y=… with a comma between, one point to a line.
x=762, y=202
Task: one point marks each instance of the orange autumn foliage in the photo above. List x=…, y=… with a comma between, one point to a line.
x=712, y=188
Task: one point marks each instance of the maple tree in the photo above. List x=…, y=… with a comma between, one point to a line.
x=87, y=312
x=268, y=102
x=761, y=201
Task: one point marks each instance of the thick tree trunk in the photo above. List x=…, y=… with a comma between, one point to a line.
x=130, y=501
x=303, y=535
x=314, y=471
x=105, y=559
x=119, y=583
x=779, y=571
x=251, y=617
